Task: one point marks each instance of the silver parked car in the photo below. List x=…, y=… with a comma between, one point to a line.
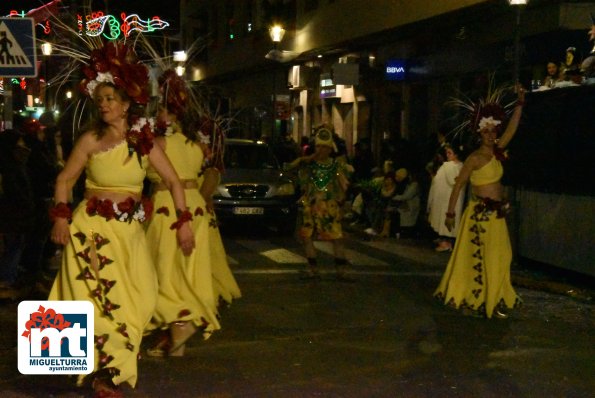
x=254, y=188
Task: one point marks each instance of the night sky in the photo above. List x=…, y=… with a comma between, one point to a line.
x=168, y=10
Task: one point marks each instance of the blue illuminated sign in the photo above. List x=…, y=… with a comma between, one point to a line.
x=395, y=69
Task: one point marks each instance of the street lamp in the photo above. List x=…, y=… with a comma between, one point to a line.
x=517, y=36
x=46, y=50
x=180, y=57
x=276, y=33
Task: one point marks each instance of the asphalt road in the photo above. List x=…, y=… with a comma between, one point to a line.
x=382, y=336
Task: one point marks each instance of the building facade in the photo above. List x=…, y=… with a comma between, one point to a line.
x=383, y=70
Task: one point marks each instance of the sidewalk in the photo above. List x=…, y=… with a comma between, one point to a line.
x=525, y=273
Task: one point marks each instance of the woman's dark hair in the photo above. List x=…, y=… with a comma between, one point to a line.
x=456, y=150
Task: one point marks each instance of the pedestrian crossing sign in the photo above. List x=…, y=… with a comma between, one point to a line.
x=17, y=48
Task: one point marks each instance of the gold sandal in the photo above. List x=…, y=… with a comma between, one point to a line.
x=180, y=333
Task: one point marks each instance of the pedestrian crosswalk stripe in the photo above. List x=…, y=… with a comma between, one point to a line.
x=352, y=256
x=420, y=255
x=269, y=271
x=273, y=252
x=284, y=256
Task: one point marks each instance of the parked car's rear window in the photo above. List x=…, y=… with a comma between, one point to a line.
x=249, y=157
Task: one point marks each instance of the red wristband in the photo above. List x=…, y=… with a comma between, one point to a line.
x=450, y=214
x=60, y=210
x=183, y=216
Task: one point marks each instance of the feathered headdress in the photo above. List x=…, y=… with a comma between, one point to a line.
x=174, y=92
x=490, y=110
x=117, y=63
x=206, y=125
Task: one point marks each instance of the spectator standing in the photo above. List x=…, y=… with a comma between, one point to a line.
x=438, y=198
x=16, y=208
x=407, y=204
x=43, y=168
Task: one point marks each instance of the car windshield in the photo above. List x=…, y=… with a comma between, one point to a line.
x=249, y=157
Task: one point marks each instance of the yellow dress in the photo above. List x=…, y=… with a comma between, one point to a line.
x=107, y=262
x=225, y=286
x=477, y=276
x=185, y=283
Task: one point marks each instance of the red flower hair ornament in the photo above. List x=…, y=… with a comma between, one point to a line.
x=174, y=92
x=117, y=63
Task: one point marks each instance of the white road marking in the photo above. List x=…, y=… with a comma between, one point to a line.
x=268, y=271
x=273, y=252
x=352, y=256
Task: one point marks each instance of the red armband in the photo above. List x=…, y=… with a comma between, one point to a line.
x=61, y=210
x=450, y=214
x=183, y=216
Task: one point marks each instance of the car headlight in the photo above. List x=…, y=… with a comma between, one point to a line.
x=286, y=189
x=222, y=191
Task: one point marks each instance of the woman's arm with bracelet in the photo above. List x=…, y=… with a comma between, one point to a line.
x=169, y=177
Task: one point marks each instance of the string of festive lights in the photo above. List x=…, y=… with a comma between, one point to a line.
x=97, y=23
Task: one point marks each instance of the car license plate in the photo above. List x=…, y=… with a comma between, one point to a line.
x=248, y=210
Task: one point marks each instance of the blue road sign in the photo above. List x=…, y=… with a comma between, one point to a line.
x=17, y=48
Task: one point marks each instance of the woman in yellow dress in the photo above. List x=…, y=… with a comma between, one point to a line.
x=477, y=277
x=188, y=296
x=225, y=286
x=106, y=259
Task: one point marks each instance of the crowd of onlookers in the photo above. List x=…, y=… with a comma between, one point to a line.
x=31, y=155
x=396, y=195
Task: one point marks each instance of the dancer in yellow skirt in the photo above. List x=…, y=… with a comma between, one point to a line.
x=188, y=297
x=225, y=287
x=477, y=277
x=106, y=259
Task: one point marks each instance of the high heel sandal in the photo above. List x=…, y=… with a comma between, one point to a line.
x=161, y=348
x=105, y=389
x=180, y=333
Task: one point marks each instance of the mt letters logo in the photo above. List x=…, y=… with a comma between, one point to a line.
x=55, y=337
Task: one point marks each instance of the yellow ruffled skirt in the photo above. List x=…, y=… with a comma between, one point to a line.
x=477, y=276
x=185, y=282
x=108, y=263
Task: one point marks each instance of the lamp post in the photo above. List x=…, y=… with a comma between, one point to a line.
x=180, y=57
x=519, y=4
x=46, y=50
x=276, y=32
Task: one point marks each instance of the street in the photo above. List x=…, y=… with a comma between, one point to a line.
x=382, y=336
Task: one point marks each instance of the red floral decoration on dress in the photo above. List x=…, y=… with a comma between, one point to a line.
x=140, y=137
x=117, y=63
x=125, y=211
